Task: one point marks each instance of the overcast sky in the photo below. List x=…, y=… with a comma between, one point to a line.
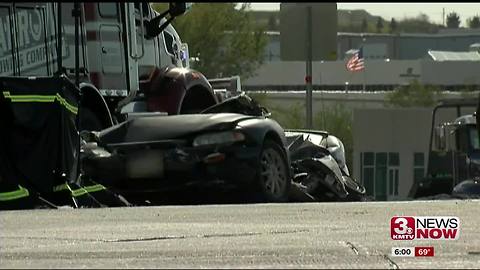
x=401, y=10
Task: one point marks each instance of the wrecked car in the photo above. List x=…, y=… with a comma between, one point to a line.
x=233, y=142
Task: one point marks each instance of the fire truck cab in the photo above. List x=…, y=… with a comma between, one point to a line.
x=128, y=54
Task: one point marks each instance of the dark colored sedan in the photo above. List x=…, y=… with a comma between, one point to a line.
x=234, y=143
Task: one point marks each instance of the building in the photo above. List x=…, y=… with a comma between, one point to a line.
x=378, y=75
x=450, y=60
x=391, y=148
x=390, y=145
x=401, y=46
x=405, y=46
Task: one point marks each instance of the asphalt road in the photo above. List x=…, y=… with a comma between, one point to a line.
x=303, y=235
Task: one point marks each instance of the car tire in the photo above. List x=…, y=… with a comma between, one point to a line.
x=273, y=177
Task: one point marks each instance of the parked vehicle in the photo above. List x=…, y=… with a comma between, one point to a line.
x=454, y=155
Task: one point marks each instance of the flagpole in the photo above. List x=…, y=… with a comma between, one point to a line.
x=364, y=66
x=364, y=69
x=364, y=76
x=308, y=77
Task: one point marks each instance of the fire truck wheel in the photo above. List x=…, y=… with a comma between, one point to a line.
x=89, y=121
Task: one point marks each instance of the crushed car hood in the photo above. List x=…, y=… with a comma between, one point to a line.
x=156, y=128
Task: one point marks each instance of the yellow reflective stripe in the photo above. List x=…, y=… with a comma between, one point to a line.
x=80, y=191
x=61, y=187
x=30, y=100
x=13, y=195
x=41, y=98
x=94, y=188
x=73, y=192
x=21, y=98
x=68, y=106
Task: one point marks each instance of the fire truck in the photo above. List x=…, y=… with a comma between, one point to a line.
x=126, y=57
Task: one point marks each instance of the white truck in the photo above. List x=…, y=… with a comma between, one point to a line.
x=127, y=54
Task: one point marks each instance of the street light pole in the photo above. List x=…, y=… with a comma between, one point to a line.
x=308, y=77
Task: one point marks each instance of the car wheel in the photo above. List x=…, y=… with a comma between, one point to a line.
x=273, y=177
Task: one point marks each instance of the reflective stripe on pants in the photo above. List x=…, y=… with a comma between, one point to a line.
x=21, y=192
x=80, y=191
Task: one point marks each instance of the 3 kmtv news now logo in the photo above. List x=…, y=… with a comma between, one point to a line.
x=425, y=228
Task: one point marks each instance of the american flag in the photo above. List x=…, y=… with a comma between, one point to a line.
x=356, y=62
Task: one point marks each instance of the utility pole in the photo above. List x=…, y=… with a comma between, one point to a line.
x=59, y=38
x=443, y=16
x=76, y=15
x=308, y=77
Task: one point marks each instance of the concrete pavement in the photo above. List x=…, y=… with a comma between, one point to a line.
x=303, y=235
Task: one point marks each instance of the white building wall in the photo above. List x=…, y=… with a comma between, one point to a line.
x=402, y=131
x=377, y=72
x=450, y=73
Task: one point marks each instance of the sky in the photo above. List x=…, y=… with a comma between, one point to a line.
x=401, y=10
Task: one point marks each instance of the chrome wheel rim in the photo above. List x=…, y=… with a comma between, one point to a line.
x=273, y=172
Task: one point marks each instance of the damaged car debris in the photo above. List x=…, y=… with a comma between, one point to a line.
x=320, y=169
x=234, y=143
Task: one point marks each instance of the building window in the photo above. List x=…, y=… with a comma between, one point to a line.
x=380, y=174
x=393, y=168
x=367, y=172
x=418, y=166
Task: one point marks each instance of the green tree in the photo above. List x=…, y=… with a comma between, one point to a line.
x=414, y=95
x=474, y=22
x=364, y=25
x=224, y=38
x=453, y=20
x=393, y=25
x=379, y=25
x=419, y=24
x=272, y=23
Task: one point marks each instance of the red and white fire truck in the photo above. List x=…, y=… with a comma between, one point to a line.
x=125, y=56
